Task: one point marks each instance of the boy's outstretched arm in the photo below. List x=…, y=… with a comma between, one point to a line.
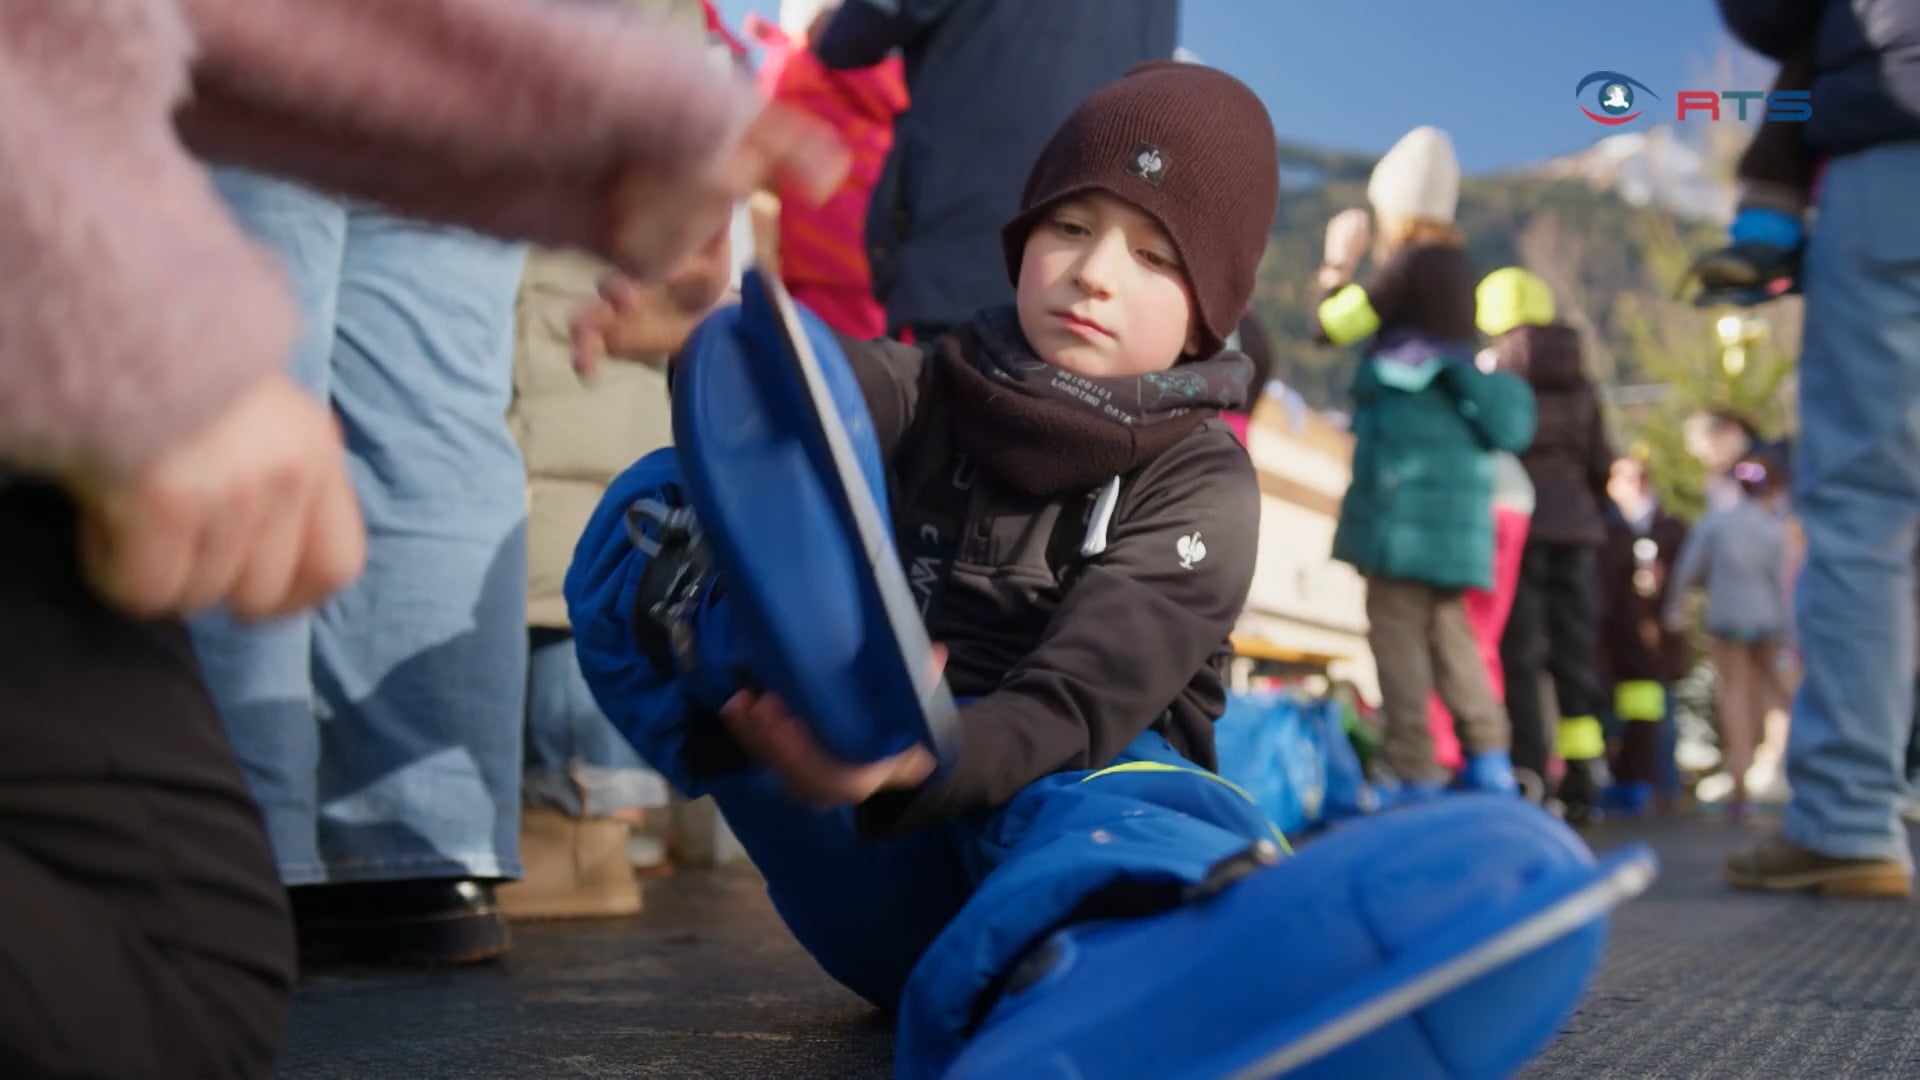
x=1133, y=632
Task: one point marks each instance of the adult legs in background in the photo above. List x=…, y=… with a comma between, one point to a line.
x=261, y=675
x=146, y=931
x=1857, y=490
x=382, y=734
x=420, y=666
x=583, y=790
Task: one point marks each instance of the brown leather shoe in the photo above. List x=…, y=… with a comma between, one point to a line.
x=571, y=868
x=1777, y=864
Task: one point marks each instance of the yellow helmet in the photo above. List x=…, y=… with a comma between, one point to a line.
x=1510, y=297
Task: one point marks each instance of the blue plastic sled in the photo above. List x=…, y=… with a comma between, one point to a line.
x=785, y=477
x=1446, y=941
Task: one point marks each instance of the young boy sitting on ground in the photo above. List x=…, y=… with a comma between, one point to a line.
x=1079, y=529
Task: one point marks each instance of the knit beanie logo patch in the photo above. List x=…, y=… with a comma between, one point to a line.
x=1149, y=163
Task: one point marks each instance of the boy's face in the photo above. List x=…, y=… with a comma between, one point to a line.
x=1102, y=292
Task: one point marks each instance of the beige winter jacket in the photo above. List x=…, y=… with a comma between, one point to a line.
x=577, y=435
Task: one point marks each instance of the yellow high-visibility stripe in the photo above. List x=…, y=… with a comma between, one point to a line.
x=1161, y=766
x=1581, y=739
x=1640, y=700
x=1348, y=316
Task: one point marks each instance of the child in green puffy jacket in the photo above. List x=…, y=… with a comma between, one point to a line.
x=1417, y=520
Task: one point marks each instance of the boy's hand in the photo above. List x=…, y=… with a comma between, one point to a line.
x=633, y=319
x=255, y=511
x=774, y=738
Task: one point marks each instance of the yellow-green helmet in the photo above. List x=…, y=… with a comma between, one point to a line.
x=1510, y=297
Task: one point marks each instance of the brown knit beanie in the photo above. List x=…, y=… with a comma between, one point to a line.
x=1188, y=144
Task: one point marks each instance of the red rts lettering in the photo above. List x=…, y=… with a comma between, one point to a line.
x=1690, y=100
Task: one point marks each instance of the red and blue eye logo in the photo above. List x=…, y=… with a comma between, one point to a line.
x=1616, y=96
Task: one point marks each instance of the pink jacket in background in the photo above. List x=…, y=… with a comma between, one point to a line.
x=133, y=307
x=823, y=250
x=1487, y=611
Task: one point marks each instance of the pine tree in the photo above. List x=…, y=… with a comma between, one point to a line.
x=1741, y=361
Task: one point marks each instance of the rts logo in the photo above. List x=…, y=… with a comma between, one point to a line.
x=1617, y=97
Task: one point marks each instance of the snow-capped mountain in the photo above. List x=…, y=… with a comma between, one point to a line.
x=1653, y=167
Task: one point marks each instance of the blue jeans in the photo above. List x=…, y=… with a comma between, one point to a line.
x=382, y=734
x=577, y=762
x=1857, y=490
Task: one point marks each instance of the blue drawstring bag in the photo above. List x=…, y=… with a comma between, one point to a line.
x=1292, y=756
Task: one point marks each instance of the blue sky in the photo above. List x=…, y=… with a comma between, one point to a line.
x=1499, y=75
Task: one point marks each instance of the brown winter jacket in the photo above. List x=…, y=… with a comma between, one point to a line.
x=1633, y=643
x=1571, y=455
x=1070, y=655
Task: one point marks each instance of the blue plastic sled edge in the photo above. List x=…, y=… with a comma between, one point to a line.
x=1446, y=963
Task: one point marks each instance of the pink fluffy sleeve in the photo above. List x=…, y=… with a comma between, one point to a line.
x=133, y=308
x=511, y=116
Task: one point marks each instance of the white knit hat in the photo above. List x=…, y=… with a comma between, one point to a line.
x=1419, y=178
x=797, y=15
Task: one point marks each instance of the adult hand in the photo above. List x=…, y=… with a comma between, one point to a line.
x=255, y=510
x=660, y=219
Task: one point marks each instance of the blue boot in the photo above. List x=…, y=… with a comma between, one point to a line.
x=784, y=473
x=1490, y=773
x=1627, y=799
x=1449, y=940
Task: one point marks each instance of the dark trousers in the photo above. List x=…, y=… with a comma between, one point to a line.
x=143, y=929
x=1551, y=628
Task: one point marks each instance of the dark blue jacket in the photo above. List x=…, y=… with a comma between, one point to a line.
x=1866, y=55
x=989, y=80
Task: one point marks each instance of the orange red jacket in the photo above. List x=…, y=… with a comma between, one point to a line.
x=823, y=255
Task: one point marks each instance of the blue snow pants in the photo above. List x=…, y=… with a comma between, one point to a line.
x=924, y=925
